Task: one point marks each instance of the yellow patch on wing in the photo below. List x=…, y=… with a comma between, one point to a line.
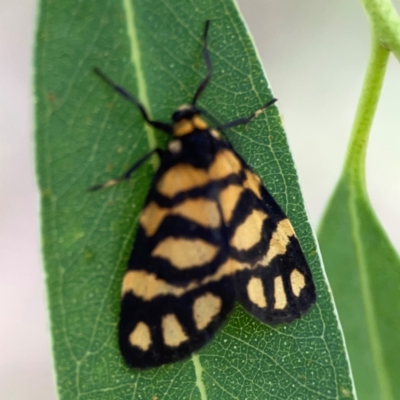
x=172, y=331
x=141, y=336
x=200, y=210
x=297, y=282
x=228, y=199
x=255, y=292
x=249, y=232
x=253, y=183
x=228, y=268
x=151, y=218
x=184, y=177
x=205, y=308
x=279, y=241
x=180, y=178
x=279, y=294
x=185, y=253
x=224, y=164
x=147, y=285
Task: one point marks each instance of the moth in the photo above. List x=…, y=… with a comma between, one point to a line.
x=209, y=234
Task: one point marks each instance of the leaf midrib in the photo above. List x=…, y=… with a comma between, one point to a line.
x=136, y=60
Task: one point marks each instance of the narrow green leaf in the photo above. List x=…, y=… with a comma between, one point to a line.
x=362, y=265
x=364, y=272
x=86, y=134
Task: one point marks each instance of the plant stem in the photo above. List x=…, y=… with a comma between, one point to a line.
x=373, y=82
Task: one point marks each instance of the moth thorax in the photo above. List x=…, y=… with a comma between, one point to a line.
x=186, y=120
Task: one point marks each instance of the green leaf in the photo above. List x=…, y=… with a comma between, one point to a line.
x=364, y=272
x=86, y=134
x=362, y=265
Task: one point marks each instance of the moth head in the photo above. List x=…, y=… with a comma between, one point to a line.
x=185, y=111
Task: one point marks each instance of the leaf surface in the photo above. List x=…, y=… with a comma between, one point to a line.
x=364, y=272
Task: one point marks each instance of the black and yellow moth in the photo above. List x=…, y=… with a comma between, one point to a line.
x=209, y=234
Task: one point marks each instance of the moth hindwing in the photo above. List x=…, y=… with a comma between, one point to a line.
x=209, y=234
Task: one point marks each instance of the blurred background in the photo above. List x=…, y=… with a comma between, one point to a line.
x=315, y=53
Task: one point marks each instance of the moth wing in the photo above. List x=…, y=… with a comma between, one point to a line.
x=274, y=281
x=170, y=327
x=177, y=290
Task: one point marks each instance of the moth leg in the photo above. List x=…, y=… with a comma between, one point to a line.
x=128, y=173
x=128, y=96
x=246, y=120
